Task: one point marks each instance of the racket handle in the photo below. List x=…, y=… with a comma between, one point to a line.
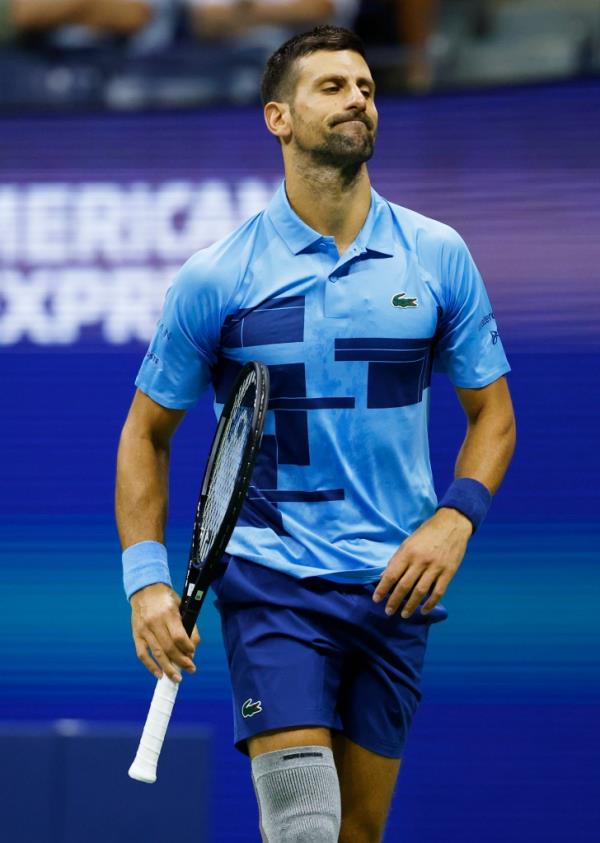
x=146, y=759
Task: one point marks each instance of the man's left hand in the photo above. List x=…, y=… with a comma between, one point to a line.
x=425, y=563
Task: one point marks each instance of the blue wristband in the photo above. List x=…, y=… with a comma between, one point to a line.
x=470, y=497
x=144, y=563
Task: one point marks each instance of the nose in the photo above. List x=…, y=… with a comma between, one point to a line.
x=357, y=98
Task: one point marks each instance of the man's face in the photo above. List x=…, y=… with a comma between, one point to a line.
x=333, y=115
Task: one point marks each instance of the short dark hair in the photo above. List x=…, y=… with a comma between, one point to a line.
x=278, y=82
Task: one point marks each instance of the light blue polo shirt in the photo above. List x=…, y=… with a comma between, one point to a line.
x=343, y=475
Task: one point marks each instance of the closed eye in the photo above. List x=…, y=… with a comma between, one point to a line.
x=364, y=91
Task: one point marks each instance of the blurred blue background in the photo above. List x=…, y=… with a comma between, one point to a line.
x=97, y=210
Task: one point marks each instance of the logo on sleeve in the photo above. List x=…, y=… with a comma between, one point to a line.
x=402, y=300
x=250, y=708
x=489, y=317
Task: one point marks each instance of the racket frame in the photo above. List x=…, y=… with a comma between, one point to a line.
x=200, y=573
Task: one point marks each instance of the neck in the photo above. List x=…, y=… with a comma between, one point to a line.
x=333, y=202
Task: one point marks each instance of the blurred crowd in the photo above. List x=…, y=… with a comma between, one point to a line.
x=129, y=54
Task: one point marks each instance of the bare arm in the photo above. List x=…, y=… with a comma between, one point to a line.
x=142, y=470
x=141, y=509
x=491, y=434
x=121, y=16
x=426, y=562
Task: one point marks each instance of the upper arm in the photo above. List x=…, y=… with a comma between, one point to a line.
x=148, y=420
x=493, y=398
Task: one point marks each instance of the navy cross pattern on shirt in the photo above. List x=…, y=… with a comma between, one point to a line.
x=398, y=371
x=272, y=322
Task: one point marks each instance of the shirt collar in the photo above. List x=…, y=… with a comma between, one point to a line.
x=376, y=235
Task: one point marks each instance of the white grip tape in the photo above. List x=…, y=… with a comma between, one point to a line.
x=146, y=760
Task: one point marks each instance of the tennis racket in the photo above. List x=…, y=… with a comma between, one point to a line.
x=226, y=480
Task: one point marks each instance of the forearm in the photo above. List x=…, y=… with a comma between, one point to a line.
x=487, y=449
x=141, y=498
x=427, y=560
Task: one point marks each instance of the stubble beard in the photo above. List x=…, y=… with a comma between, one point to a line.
x=339, y=151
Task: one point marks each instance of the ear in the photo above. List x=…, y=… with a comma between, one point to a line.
x=278, y=119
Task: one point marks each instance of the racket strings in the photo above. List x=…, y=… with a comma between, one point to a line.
x=225, y=472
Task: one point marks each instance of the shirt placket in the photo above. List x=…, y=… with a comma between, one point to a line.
x=338, y=303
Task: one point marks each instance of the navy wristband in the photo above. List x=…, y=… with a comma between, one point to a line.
x=470, y=497
x=144, y=563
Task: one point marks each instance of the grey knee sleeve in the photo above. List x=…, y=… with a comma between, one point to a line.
x=298, y=795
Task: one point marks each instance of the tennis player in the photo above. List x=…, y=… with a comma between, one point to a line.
x=336, y=569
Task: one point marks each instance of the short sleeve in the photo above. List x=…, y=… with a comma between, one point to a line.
x=177, y=367
x=468, y=345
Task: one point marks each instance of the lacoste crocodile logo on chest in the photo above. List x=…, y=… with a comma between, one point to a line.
x=402, y=300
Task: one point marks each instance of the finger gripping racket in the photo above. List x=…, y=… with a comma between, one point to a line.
x=226, y=480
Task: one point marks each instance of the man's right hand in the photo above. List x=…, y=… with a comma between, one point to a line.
x=161, y=642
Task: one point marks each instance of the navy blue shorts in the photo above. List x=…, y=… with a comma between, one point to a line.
x=312, y=652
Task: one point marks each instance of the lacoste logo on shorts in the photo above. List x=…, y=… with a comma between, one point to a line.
x=402, y=300
x=250, y=708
